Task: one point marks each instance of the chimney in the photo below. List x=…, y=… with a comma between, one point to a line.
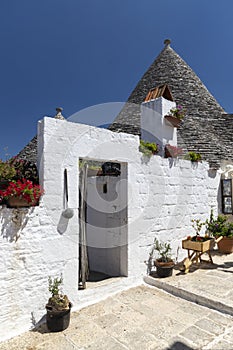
x=59, y=115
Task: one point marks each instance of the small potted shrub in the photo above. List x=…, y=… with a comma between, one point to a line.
x=163, y=263
x=222, y=231
x=58, y=307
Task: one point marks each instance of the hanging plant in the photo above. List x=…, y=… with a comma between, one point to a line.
x=148, y=148
x=193, y=156
x=178, y=112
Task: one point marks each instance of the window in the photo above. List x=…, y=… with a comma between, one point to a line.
x=227, y=196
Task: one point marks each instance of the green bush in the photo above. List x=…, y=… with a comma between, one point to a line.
x=193, y=156
x=148, y=148
x=7, y=171
x=219, y=226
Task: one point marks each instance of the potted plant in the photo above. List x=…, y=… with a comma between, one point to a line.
x=148, y=148
x=58, y=307
x=21, y=193
x=193, y=156
x=198, y=242
x=222, y=231
x=163, y=263
x=175, y=116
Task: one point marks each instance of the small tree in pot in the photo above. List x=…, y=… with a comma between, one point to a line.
x=222, y=231
x=164, y=263
x=58, y=307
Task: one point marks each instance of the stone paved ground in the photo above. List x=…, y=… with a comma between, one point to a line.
x=146, y=317
x=210, y=285
x=140, y=318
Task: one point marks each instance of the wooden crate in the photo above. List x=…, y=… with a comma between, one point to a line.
x=198, y=246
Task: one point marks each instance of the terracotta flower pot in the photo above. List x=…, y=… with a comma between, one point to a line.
x=17, y=202
x=170, y=120
x=225, y=245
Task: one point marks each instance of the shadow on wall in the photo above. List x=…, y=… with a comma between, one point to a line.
x=13, y=222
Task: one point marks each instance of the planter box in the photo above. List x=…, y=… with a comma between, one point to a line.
x=198, y=246
x=16, y=202
x=172, y=121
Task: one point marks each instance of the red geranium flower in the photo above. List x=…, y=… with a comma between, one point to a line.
x=25, y=189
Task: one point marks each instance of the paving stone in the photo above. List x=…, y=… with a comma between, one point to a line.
x=221, y=345
x=108, y=343
x=229, y=336
x=218, y=317
x=133, y=339
x=210, y=326
x=197, y=336
x=140, y=318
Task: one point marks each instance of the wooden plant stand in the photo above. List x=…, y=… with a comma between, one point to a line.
x=195, y=252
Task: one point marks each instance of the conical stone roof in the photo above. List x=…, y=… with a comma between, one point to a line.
x=196, y=132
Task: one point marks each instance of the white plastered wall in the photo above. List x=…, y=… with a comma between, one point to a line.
x=163, y=197
x=154, y=127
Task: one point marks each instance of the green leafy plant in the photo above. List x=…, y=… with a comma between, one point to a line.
x=193, y=156
x=197, y=224
x=148, y=148
x=54, y=285
x=219, y=226
x=57, y=301
x=7, y=171
x=227, y=230
x=163, y=249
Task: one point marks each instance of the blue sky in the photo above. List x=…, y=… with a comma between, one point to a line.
x=80, y=53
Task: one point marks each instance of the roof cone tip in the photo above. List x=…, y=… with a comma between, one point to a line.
x=167, y=42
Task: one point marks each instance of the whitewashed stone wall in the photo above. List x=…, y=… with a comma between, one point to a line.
x=154, y=127
x=163, y=196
